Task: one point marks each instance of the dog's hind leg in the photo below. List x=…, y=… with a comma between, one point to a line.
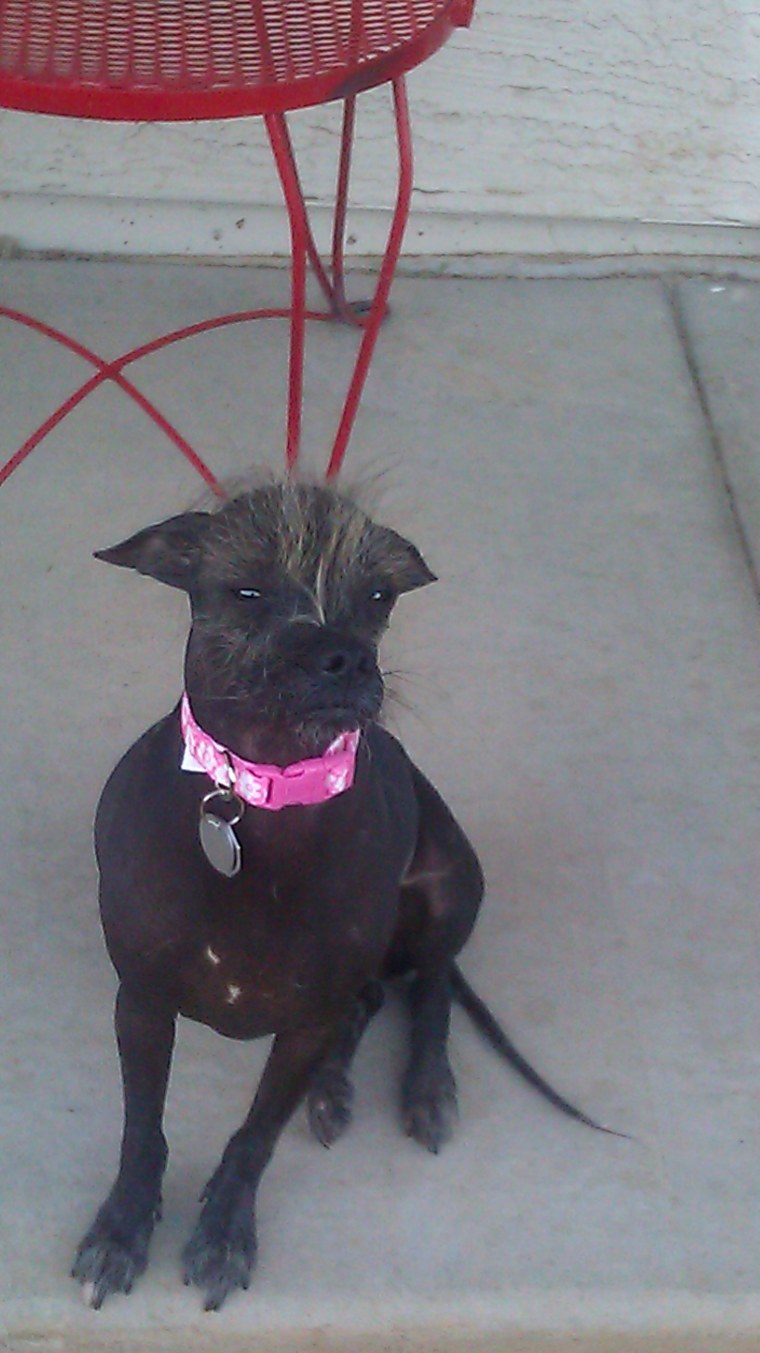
x=428, y=1090
x=439, y=901
x=331, y=1094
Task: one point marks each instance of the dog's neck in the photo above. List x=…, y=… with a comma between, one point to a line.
x=269, y=784
x=277, y=745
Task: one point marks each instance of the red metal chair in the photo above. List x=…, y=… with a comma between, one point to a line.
x=180, y=60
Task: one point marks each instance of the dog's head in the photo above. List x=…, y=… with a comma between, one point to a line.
x=291, y=587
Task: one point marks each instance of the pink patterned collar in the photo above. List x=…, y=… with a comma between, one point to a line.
x=273, y=787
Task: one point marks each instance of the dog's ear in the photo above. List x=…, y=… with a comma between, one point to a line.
x=168, y=551
x=408, y=568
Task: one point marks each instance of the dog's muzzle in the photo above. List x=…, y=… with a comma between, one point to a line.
x=330, y=674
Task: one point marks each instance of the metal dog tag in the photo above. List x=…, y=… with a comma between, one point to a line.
x=217, y=834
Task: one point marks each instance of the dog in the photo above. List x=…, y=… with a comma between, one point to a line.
x=269, y=857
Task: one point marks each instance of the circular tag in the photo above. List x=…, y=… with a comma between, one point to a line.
x=220, y=844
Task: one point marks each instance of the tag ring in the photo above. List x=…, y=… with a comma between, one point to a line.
x=226, y=796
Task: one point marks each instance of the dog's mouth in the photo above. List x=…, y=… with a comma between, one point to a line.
x=320, y=722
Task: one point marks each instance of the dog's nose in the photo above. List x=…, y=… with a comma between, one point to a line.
x=343, y=663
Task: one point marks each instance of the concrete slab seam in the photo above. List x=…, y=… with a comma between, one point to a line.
x=691, y=360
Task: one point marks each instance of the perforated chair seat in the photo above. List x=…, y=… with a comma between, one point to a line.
x=145, y=60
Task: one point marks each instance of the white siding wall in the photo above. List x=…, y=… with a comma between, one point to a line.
x=547, y=122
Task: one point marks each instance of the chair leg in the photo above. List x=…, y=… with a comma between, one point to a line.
x=312, y=253
x=104, y=371
x=299, y=239
x=303, y=246
x=374, y=318
x=356, y=314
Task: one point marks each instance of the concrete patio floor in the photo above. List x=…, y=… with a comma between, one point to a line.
x=579, y=462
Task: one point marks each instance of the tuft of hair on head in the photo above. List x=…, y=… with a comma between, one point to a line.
x=314, y=532
x=365, y=489
x=300, y=526
x=232, y=486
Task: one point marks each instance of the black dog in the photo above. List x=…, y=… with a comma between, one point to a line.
x=260, y=901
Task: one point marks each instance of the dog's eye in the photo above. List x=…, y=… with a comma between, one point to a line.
x=248, y=593
x=381, y=595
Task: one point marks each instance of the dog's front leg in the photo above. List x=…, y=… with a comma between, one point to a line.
x=114, y=1251
x=221, y=1251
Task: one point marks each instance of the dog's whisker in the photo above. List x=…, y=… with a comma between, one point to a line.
x=425, y=682
x=399, y=702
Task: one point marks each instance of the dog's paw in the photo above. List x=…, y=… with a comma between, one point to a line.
x=221, y=1252
x=330, y=1104
x=113, y=1253
x=429, y=1105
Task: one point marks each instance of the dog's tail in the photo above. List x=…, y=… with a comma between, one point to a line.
x=484, y=1021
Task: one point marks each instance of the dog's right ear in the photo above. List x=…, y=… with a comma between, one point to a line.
x=169, y=551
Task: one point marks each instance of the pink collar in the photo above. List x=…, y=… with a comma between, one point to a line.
x=274, y=787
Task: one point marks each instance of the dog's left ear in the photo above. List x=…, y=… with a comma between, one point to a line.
x=408, y=568
x=168, y=552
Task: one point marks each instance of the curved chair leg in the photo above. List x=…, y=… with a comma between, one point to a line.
x=371, y=324
x=290, y=165
x=104, y=371
x=368, y=318
x=299, y=239
x=358, y=313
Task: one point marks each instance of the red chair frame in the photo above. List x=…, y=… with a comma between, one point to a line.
x=360, y=68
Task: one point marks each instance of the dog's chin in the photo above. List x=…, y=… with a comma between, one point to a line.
x=319, y=728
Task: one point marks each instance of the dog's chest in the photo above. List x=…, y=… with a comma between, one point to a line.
x=245, y=991
x=278, y=957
